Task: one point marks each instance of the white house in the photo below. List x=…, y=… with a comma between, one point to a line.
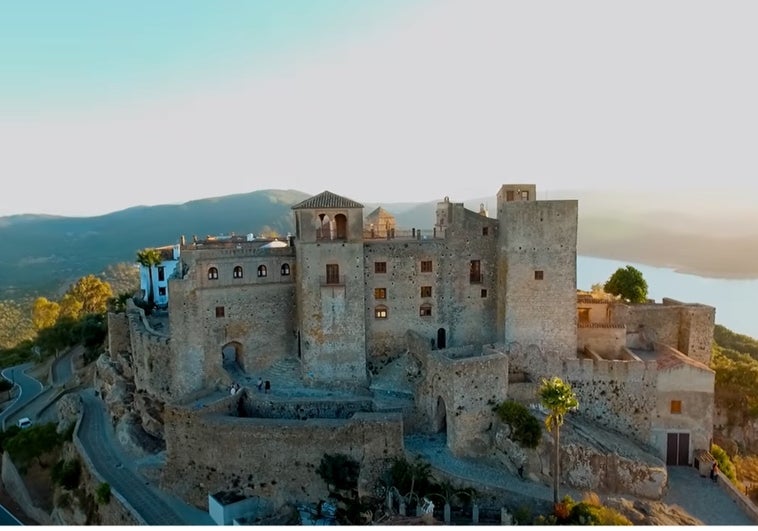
x=161, y=273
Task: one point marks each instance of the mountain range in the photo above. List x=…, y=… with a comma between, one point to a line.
x=43, y=254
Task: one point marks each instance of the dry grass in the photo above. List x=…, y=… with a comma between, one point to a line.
x=747, y=472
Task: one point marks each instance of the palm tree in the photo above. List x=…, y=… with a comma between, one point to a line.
x=149, y=258
x=558, y=397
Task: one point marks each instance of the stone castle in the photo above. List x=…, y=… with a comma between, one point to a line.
x=369, y=332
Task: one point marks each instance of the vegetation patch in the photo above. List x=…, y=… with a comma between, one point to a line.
x=525, y=428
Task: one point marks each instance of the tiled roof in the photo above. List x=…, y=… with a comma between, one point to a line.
x=378, y=212
x=327, y=199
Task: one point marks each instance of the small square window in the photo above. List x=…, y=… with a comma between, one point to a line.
x=426, y=266
x=380, y=267
x=539, y=275
x=484, y=293
x=425, y=310
x=426, y=291
x=380, y=313
x=219, y=311
x=485, y=231
x=162, y=291
x=380, y=293
x=676, y=407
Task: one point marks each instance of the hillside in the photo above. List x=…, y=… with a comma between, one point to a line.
x=43, y=253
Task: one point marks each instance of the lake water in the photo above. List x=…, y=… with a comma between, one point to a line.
x=734, y=300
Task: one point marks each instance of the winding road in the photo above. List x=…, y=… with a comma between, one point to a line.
x=28, y=388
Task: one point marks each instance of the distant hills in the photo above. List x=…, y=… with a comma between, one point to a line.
x=42, y=253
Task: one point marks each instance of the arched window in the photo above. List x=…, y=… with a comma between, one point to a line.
x=212, y=273
x=340, y=220
x=262, y=271
x=285, y=270
x=237, y=273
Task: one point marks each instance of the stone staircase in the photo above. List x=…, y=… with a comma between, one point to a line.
x=283, y=373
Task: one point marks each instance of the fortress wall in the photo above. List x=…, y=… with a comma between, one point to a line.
x=331, y=317
x=539, y=236
x=607, y=341
x=457, y=304
x=272, y=459
x=153, y=360
x=696, y=331
x=655, y=321
x=118, y=333
x=458, y=395
x=620, y=395
x=257, y=405
x=187, y=338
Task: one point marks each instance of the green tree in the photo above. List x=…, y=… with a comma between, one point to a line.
x=149, y=258
x=44, y=313
x=525, y=428
x=32, y=443
x=558, y=397
x=628, y=283
x=725, y=462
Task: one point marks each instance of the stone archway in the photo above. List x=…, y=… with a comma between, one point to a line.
x=440, y=416
x=231, y=354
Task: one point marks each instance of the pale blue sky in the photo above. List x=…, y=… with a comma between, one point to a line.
x=106, y=105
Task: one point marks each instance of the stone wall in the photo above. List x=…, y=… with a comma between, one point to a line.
x=686, y=327
x=118, y=333
x=331, y=316
x=537, y=274
x=457, y=396
x=273, y=459
x=462, y=307
x=606, y=340
x=154, y=364
x=259, y=406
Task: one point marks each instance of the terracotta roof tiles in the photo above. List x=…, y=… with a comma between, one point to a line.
x=327, y=199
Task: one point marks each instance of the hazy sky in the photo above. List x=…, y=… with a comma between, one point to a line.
x=106, y=105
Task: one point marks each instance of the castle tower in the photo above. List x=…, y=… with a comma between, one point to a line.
x=537, y=270
x=330, y=289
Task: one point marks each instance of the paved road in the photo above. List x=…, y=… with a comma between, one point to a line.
x=6, y=518
x=28, y=389
x=62, y=369
x=118, y=469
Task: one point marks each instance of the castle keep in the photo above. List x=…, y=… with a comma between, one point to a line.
x=377, y=329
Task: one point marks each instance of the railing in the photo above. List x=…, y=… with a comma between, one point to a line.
x=403, y=234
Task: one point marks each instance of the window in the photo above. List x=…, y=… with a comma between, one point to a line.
x=380, y=293
x=539, y=275
x=583, y=315
x=426, y=266
x=475, y=271
x=332, y=274
x=219, y=311
x=485, y=231
x=425, y=310
x=262, y=271
x=525, y=195
x=161, y=273
x=162, y=291
x=237, y=273
x=380, y=267
x=380, y=312
x=509, y=195
x=676, y=407
x=285, y=270
x=426, y=291
x=213, y=273
x=484, y=293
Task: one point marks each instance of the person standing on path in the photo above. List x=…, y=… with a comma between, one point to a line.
x=715, y=472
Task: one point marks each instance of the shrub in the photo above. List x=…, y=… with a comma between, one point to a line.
x=339, y=471
x=590, y=511
x=525, y=428
x=103, y=493
x=67, y=473
x=725, y=463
